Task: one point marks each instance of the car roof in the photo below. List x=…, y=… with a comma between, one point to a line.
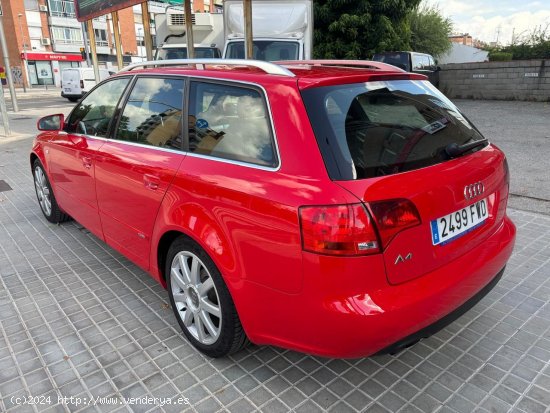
x=308, y=73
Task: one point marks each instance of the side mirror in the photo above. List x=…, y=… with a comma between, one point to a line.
x=51, y=123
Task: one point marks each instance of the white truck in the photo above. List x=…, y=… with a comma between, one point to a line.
x=171, y=36
x=282, y=29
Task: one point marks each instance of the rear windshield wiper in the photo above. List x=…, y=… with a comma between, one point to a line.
x=454, y=150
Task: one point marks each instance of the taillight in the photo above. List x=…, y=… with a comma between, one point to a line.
x=393, y=216
x=81, y=84
x=338, y=230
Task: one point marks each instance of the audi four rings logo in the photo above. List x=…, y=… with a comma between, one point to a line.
x=473, y=190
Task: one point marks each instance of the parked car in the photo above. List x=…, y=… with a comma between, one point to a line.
x=334, y=208
x=77, y=81
x=415, y=62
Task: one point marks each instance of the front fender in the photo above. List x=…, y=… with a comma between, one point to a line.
x=39, y=151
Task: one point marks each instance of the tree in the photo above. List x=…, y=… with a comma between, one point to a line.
x=430, y=31
x=348, y=29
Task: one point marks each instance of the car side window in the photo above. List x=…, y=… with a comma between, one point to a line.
x=417, y=63
x=153, y=113
x=426, y=63
x=94, y=113
x=230, y=122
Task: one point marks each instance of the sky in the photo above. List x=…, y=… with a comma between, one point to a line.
x=488, y=19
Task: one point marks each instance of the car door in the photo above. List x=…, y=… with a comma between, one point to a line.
x=136, y=166
x=71, y=154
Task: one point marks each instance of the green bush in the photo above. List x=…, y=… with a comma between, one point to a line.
x=500, y=56
x=535, y=45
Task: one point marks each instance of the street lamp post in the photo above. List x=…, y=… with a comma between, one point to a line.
x=26, y=77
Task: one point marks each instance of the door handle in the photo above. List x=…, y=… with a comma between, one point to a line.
x=87, y=162
x=151, y=181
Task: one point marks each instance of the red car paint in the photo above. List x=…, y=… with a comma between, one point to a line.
x=135, y=198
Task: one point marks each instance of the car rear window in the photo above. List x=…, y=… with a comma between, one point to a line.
x=382, y=128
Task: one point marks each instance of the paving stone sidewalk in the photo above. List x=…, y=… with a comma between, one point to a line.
x=79, y=320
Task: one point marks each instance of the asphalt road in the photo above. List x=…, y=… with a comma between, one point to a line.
x=521, y=129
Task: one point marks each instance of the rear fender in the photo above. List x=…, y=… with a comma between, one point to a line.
x=195, y=222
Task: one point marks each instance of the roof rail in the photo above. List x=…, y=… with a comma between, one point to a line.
x=354, y=63
x=267, y=67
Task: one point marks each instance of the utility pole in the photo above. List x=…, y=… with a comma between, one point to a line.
x=248, y=36
x=4, y=111
x=24, y=54
x=189, y=29
x=9, y=77
x=86, y=46
x=146, y=19
x=93, y=49
x=118, y=46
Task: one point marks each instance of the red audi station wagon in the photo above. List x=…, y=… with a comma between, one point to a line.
x=337, y=208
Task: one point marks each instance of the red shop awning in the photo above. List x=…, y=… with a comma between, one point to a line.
x=64, y=57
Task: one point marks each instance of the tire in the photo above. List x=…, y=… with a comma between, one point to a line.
x=46, y=198
x=201, y=301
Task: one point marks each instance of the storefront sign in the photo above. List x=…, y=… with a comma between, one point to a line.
x=89, y=9
x=52, y=56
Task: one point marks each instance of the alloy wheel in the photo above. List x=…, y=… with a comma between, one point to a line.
x=195, y=297
x=42, y=191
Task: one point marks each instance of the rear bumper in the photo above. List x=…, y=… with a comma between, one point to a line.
x=349, y=310
x=443, y=322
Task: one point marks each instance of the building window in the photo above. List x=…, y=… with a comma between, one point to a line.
x=62, y=8
x=101, y=37
x=67, y=35
x=31, y=4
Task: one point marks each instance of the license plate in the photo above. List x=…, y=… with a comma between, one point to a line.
x=455, y=224
x=67, y=90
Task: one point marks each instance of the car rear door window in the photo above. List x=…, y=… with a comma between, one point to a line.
x=230, y=122
x=153, y=113
x=93, y=114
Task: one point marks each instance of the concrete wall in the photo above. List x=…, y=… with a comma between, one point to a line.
x=515, y=80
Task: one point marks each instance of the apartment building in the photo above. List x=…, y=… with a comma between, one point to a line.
x=44, y=37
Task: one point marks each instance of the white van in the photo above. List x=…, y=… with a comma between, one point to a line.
x=77, y=81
